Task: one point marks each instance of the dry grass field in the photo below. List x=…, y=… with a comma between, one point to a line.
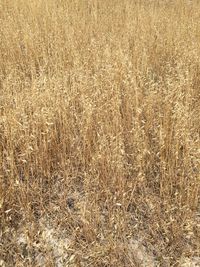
x=99, y=133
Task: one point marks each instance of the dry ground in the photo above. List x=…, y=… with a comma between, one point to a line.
x=99, y=133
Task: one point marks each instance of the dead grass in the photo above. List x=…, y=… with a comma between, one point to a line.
x=99, y=133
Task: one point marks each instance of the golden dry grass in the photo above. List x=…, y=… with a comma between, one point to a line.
x=99, y=132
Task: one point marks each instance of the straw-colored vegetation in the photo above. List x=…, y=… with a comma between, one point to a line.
x=99, y=133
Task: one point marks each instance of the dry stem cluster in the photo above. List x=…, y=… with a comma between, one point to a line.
x=99, y=132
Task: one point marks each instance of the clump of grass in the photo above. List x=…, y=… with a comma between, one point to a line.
x=99, y=132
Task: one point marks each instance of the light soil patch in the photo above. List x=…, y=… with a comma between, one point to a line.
x=54, y=242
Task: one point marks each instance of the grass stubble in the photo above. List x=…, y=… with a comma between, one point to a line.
x=99, y=133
